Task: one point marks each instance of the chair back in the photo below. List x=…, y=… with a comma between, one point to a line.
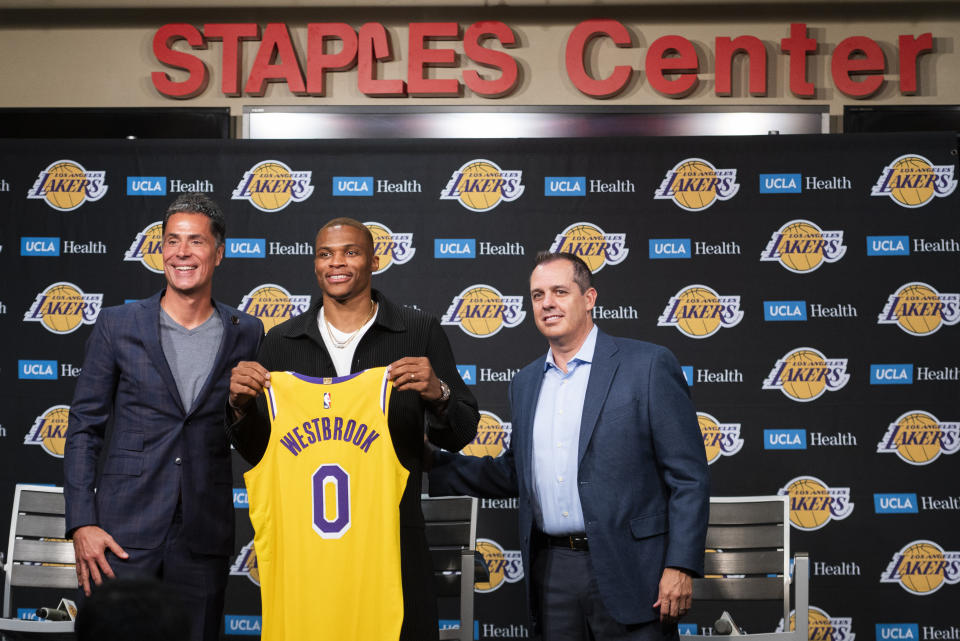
x=451, y=529
x=38, y=554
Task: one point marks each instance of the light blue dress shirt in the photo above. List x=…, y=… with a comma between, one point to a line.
x=556, y=438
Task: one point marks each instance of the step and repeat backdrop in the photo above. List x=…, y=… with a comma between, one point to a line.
x=809, y=285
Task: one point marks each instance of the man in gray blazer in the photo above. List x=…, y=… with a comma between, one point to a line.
x=609, y=466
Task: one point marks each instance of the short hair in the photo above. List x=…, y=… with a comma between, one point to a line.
x=349, y=222
x=582, y=275
x=196, y=203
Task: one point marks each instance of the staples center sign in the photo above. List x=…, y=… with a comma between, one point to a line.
x=670, y=63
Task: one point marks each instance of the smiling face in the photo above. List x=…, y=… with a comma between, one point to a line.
x=561, y=311
x=190, y=254
x=344, y=261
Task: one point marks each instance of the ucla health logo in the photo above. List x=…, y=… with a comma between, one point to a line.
x=698, y=311
x=37, y=370
x=481, y=311
x=897, y=632
x=891, y=374
x=271, y=185
x=493, y=437
x=65, y=185
x=273, y=304
x=813, y=503
x=919, y=438
x=821, y=626
x=780, y=183
x=63, y=307
x=913, y=181
x=592, y=244
x=695, y=184
x=504, y=566
x=565, y=186
x=805, y=374
x=922, y=567
x=784, y=310
x=919, y=309
x=147, y=248
x=802, y=247
x=353, y=185
x=246, y=564
x=49, y=430
x=888, y=245
x=719, y=439
x=480, y=185
x=391, y=247
x=246, y=248
x=454, y=247
x=146, y=185
x=669, y=248
x=895, y=503
x=784, y=439
x=39, y=246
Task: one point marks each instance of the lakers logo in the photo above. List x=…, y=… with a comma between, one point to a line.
x=480, y=185
x=392, y=248
x=590, y=243
x=823, y=627
x=273, y=304
x=913, y=181
x=493, y=437
x=813, y=504
x=802, y=247
x=246, y=564
x=66, y=185
x=919, y=438
x=481, y=311
x=49, y=430
x=694, y=184
x=147, y=248
x=920, y=310
x=805, y=374
x=698, y=311
x=922, y=567
x=63, y=307
x=504, y=566
x=719, y=439
x=271, y=185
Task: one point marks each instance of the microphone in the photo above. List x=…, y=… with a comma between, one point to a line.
x=53, y=614
x=725, y=625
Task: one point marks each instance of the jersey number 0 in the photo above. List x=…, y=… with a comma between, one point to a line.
x=331, y=501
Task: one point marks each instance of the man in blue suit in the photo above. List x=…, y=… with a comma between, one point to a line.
x=159, y=369
x=608, y=463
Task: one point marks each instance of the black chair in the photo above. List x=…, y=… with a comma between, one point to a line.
x=451, y=523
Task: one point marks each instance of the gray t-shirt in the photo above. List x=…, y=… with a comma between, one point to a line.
x=190, y=353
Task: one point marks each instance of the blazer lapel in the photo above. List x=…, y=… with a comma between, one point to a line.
x=604, y=366
x=230, y=318
x=148, y=319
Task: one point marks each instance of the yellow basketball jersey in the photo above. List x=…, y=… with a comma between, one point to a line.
x=324, y=503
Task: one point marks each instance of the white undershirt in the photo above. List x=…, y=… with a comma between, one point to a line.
x=342, y=356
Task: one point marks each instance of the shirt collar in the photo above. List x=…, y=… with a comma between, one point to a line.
x=583, y=355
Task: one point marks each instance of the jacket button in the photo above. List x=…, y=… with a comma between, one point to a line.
x=178, y=461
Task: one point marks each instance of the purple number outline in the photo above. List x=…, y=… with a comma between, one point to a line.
x=341, y=480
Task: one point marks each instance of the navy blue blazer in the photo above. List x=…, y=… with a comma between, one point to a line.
x=643, y=478
x=157, y=451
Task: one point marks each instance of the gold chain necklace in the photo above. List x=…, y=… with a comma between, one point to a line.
x=349, y=339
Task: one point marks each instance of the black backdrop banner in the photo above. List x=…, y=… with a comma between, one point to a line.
x=808, y=284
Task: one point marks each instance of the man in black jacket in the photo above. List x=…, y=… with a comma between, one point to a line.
x=352, y=328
